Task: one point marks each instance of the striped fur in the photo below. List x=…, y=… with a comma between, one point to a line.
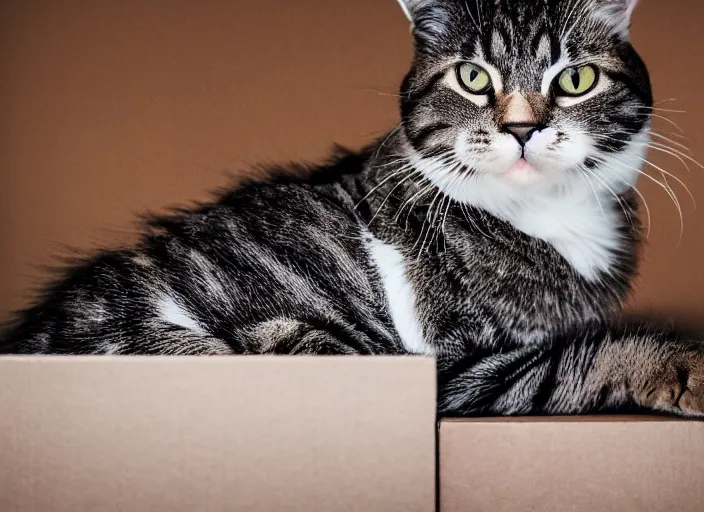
x=507, y=259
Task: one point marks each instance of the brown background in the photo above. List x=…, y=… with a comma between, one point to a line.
x=111, y=108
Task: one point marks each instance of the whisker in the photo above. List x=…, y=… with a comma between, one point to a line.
x=456, y=177
x=442, y=227
x=392, y=162
x=657, y=146
x=676, y=152
x=423, y=190
x=421, y=195
x=679, y=241
x=436, y=230
x=384, y=181
x=651, y=132
x=428, y=168
x=591, y=185
x=425, y=220
x=410, y=176
x=665, y=173
x=468, y=217
x=668, y=120
x=469, y=12
x=661, y=109
x=645, y=204
x=432, y=217
x=386, y=139
x=659, y=135
x=672, y=154
x=628, y=214
x=381, y=93
x=564, y=32
x=668, y=190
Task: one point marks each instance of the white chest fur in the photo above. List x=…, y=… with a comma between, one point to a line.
x=400, y=296
x=585, y=233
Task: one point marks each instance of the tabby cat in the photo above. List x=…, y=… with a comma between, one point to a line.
x=494, y=228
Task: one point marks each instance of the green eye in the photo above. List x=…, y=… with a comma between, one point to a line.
x=576, y=81
x=473, y=78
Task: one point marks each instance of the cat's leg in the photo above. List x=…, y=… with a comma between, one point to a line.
x=294, y=337
x=148, y=340
x=168, y=342
x=605, y=371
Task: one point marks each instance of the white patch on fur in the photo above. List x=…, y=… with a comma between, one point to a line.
x=174, y=314
x=575, y=213
x=552, y=73
x=110, y=349
x=544, y=50
x=399, y=295
x=580, y=231
x=498, y=46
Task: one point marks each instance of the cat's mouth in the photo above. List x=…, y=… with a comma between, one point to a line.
x=521, y=172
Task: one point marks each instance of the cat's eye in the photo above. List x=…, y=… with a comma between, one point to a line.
x=473, y=79
x=576, y=81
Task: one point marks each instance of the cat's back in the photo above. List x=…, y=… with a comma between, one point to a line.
x=262, y=249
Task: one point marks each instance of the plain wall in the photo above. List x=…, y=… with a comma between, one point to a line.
x=111, y=108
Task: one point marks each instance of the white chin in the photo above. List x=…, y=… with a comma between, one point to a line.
x=522, y=173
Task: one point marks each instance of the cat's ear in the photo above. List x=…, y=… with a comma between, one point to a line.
x=621, y=7
x=411, y=7
x=618, y=14
x=430, y=21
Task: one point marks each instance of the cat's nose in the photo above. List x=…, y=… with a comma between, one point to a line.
x=522, y=132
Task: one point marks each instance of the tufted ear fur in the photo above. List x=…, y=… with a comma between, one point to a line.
x=410, y=7
x=617, y=13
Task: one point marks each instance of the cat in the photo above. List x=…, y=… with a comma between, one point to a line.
x=495, y=228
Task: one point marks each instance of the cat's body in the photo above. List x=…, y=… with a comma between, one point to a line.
x=469, y=233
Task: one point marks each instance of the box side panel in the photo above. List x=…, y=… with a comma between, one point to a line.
x=577, y=466
x=185, y=434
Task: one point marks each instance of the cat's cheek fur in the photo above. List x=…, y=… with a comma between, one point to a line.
x=502, y=153
x=557, y=156
x=621, y=170
x=561, y=207
x=494, y=158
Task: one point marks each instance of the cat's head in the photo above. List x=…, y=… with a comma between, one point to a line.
x=508, y=98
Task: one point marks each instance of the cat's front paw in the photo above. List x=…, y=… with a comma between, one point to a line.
x=678, y=386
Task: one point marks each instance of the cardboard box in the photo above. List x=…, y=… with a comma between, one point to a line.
x=155, y=434
x=97, y=434
x=578, y=464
